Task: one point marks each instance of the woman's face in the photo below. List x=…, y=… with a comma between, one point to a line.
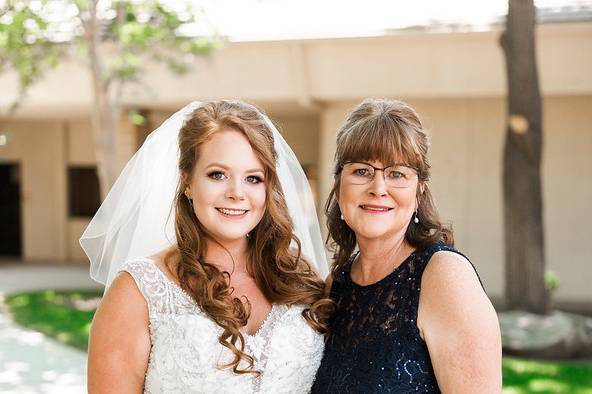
x=376, y=210
x=228, y=186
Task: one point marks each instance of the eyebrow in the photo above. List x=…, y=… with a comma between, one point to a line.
x=227, y=168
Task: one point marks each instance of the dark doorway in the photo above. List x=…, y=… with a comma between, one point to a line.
x=10, y=210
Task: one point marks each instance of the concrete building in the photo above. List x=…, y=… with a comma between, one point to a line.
x=456, y=80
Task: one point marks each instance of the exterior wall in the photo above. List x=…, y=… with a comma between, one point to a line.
x=44, y=150
x=412, y=64
x=466, y=156
x=39, y=149
x=455, y=80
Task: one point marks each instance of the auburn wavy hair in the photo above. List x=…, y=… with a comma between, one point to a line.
x=389, y=131
x=280, y=271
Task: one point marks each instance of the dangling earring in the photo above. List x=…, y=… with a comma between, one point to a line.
x=190, y=201
x=415, y=219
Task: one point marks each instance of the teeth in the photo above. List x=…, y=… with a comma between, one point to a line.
x=375, y=209
x=232, y=211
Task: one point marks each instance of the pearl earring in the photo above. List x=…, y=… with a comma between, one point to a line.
x=341, y=216
x=415, y=219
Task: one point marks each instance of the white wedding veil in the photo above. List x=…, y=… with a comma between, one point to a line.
x=137, y=217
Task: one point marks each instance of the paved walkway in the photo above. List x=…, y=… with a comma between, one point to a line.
x=29, y=361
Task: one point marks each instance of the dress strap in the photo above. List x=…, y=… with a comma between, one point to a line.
x=148, y=278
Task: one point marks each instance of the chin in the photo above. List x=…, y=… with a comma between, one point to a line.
x=373, y=233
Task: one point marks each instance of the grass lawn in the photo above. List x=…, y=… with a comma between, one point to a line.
x=66, y=316
x=546, y=377
x=61, y=314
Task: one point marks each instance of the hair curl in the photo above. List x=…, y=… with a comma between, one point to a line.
x=388, y=131
x=280, y=271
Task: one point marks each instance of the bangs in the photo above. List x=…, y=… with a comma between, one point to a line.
x=382, y=139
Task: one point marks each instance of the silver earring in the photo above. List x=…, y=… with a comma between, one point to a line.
x=190, y=201
x=341, y=216
x=415, y=219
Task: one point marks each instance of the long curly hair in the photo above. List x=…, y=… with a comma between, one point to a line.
x=281, y=273
x=384, y=130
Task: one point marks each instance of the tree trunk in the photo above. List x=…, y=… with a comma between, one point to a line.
x=105, y=113
x=523, y=219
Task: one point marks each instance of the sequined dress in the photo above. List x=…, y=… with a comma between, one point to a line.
x=185, y=352
x=375, y=346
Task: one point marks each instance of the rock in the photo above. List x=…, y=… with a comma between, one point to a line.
x=557, y=335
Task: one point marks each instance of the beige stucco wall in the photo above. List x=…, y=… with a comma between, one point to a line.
x=413, y=64
x=456, y=81
x=38, y=147
x=466, y=153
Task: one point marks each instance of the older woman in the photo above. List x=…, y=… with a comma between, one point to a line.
x=411, y=315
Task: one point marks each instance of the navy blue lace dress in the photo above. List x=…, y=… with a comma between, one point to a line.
x=375, y=346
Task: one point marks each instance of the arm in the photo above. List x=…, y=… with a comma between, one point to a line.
x=460, y=327
x=119, y=341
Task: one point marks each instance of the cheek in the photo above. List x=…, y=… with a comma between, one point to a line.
x=205, y=193
x=405, y=198
x=348, y=197
x=258, y=197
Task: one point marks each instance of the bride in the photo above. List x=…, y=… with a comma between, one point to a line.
x=201, y=244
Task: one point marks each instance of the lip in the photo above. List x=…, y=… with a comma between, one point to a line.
x=232, y=215
x=375, y=209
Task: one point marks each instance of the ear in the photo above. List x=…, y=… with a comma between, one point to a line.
x=187, y=181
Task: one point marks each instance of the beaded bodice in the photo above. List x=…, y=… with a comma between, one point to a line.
x=375, y=345
x=186, y=356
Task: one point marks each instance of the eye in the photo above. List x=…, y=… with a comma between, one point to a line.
x=217, y=175
x=394, y=174
x=361, y=171
x=254, y=179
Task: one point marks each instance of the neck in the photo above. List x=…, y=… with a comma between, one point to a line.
x=230, y=256
x=379, y=256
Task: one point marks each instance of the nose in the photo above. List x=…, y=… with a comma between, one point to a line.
x=377, y=186
x=235, y=190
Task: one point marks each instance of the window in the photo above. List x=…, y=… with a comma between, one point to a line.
x=83, y=191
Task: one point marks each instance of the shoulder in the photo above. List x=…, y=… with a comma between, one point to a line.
x=446, y=266
x=123, y=295
x=448, y=280
x=450, y=292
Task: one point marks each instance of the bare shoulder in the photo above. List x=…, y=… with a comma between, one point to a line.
x=123, y=298
x=450, y=288
x=450, y=272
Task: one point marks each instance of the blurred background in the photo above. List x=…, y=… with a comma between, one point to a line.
x=83, y=83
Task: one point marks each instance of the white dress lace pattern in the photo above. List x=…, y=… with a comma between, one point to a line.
x=186, y=355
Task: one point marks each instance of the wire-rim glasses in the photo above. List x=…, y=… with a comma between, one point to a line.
x=396, y=175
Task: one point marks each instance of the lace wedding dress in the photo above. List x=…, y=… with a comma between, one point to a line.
x=186, y=355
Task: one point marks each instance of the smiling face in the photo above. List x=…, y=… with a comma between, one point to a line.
x=375, y=209
x=227, y=186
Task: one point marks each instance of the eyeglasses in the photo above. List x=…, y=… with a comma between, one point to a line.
x=397, y=175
